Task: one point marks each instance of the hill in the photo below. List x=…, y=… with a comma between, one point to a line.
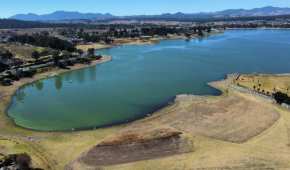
x=62, y=15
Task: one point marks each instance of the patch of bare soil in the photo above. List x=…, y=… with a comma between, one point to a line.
x=132, y=146
x=232, y=118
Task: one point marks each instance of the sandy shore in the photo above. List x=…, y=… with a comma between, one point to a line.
x=96, y=46
x=52, y=72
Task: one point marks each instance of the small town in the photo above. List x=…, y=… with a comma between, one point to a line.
x=25, y=52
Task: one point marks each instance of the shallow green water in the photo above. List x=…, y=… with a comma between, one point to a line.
x=141, y=79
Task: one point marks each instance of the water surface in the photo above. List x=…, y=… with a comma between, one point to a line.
x=141, y=79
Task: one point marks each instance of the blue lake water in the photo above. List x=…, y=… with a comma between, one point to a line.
x=141, y=79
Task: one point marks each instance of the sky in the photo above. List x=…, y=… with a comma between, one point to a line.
x=130, y=7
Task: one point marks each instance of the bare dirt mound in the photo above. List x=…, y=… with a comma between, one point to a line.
x=131, y=147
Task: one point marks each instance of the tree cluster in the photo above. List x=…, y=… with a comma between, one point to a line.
x=281, y=98
x=44, y=40
x=17, y=161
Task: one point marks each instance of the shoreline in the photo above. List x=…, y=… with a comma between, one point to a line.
x=259, y=28
x=220, y=85
x=55, y=72
x=139, y=41
x=7, y=98
x=166, y=104
x=156, y=109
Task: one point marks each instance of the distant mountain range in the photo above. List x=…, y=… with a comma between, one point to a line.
x=62, y=15
x=231, y=13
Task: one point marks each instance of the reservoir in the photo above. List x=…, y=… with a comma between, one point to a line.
x=144, y=78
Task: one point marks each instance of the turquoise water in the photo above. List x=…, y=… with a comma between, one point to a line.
x=141, y=79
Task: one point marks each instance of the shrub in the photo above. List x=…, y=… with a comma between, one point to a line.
x=281, y=98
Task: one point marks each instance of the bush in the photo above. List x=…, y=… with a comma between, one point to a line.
x=281, y=98
x=17, y=161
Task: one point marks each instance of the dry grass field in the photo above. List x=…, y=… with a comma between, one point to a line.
x=23, y=51
x=85, y=47
x=266, y=83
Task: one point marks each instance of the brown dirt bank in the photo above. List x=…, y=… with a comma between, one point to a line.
x=133, y=146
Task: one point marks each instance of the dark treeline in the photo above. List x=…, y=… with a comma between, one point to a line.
x=14, y=24
x=10, y=23
x=44, y=40
x=161, y=31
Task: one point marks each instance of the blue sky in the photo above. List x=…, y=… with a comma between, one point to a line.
x=129, y=7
